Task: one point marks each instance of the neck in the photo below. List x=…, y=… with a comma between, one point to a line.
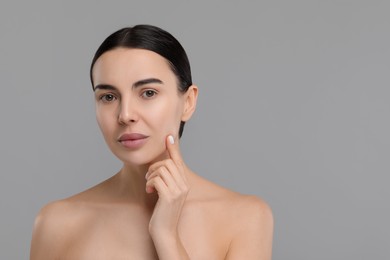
x=131, y=183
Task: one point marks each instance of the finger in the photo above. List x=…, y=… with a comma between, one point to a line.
x=169, y=164
x=177, y=175
x=155, y=166
x=174, y=150
x=156, y=184
x=166, y=176
x=150, y=189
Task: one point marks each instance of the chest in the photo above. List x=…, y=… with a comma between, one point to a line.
x=126, y=236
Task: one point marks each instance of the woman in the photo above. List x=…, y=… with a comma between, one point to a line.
x=155, y=207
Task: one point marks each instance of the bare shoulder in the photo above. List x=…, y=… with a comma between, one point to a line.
x=246, y=219
x=58, y=223
x=252, y=228
x=239, y=205
x=51, y=215
x=51, y=225
x=254, y=207
x=59, y=216
x=245, y=211
x=65, y=211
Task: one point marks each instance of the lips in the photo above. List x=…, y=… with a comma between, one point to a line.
x=131, y=137
x=132, y=140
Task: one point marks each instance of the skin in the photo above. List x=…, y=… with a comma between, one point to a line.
x=155, y=207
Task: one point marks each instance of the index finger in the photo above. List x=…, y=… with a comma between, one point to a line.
x=174, y=150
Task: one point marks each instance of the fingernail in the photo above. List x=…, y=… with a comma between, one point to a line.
x=147, y=175
x=171, y=139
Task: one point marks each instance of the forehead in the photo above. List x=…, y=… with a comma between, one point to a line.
x=126, y=64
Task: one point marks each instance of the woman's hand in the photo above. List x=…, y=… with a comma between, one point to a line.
x=168, y=178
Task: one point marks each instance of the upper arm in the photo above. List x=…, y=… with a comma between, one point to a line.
x=254, y=232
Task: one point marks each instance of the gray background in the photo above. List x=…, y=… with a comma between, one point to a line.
x=293, y=107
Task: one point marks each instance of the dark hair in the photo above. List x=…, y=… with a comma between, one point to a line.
x=154, y=39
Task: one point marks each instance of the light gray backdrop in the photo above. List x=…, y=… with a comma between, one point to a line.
x=294, y=107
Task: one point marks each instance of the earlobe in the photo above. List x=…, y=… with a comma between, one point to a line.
x=190, y=102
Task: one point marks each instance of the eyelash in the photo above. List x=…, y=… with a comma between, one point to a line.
x=148, y=90
x=104, y=97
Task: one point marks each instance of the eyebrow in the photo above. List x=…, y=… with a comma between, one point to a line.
x=135, y=85
x=146, y=81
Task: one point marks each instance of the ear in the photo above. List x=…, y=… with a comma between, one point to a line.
x=191, y=97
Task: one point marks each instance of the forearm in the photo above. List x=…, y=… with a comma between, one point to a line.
x=170, y=247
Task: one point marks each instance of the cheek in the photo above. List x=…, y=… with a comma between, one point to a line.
x=167, y=119
x=104, y=120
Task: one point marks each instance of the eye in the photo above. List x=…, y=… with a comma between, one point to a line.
x=107, y=98
x=149, y=93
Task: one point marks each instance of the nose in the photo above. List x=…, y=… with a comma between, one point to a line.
x=127, y=112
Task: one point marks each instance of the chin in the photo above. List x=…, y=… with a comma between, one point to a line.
x=139, y=158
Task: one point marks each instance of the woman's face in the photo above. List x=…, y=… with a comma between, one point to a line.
x=138, y=103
